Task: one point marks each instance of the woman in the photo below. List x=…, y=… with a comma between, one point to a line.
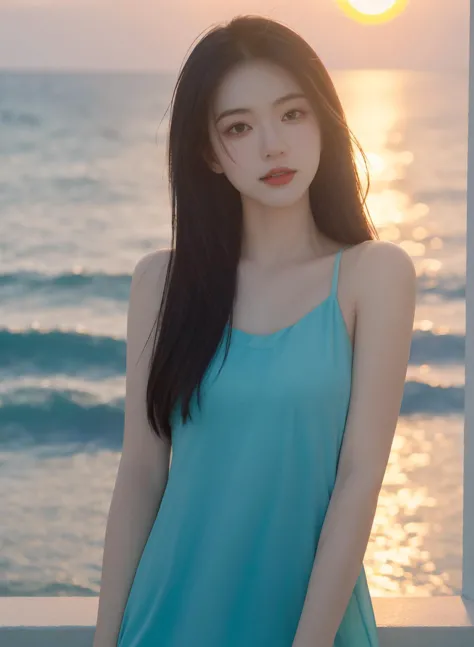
x=255, y=536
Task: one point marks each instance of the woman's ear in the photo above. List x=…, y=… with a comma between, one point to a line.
x=217, y=168
x=211, y=161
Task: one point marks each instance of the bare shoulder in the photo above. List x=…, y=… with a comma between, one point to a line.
x=146, y=292
x=375, y=253
x=383, y=258
x=151, y=266
x=381, y=270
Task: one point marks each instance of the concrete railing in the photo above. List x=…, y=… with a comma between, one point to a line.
x=402, y=622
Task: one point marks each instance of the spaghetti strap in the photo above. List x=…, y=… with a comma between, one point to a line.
x=335, y=274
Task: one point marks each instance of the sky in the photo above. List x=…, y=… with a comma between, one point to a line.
x=147, y=35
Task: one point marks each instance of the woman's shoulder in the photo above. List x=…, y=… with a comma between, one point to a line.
x=372, y=255
x=148, y=281
x=152, y=264
x=375, y=265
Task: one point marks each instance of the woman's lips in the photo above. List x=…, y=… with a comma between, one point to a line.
x=277, y=180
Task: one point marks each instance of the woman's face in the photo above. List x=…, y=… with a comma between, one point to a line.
x=266, y=136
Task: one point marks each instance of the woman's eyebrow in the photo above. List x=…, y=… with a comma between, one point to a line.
x=239, y=111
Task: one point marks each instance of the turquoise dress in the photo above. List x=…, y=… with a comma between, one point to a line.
x=228, y=560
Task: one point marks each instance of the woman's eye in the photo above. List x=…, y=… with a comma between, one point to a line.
x=295, y=110
x=229, y=130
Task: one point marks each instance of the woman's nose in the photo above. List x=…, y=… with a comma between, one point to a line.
x=272, y=142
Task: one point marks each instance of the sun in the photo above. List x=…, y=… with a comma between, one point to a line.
x=372, y=11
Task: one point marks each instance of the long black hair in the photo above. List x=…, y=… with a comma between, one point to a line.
x=200, y=283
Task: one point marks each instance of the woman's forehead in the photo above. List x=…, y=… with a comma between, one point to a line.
x=255, y=82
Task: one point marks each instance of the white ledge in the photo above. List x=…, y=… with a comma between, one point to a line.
x=402, y=622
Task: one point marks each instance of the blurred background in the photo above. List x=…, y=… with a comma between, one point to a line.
x=84, y=92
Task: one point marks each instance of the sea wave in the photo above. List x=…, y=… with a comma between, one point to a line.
x=45, y=415
x=73, y=285
x=39, y=352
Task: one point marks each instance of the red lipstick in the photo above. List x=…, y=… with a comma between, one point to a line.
x=279, y=175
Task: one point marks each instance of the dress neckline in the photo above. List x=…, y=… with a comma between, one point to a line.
x=237, y=332
x=263, y=340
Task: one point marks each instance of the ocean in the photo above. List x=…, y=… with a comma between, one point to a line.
x=83, y=195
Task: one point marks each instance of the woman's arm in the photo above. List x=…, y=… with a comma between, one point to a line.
x=144, y=465
x=385, y=309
